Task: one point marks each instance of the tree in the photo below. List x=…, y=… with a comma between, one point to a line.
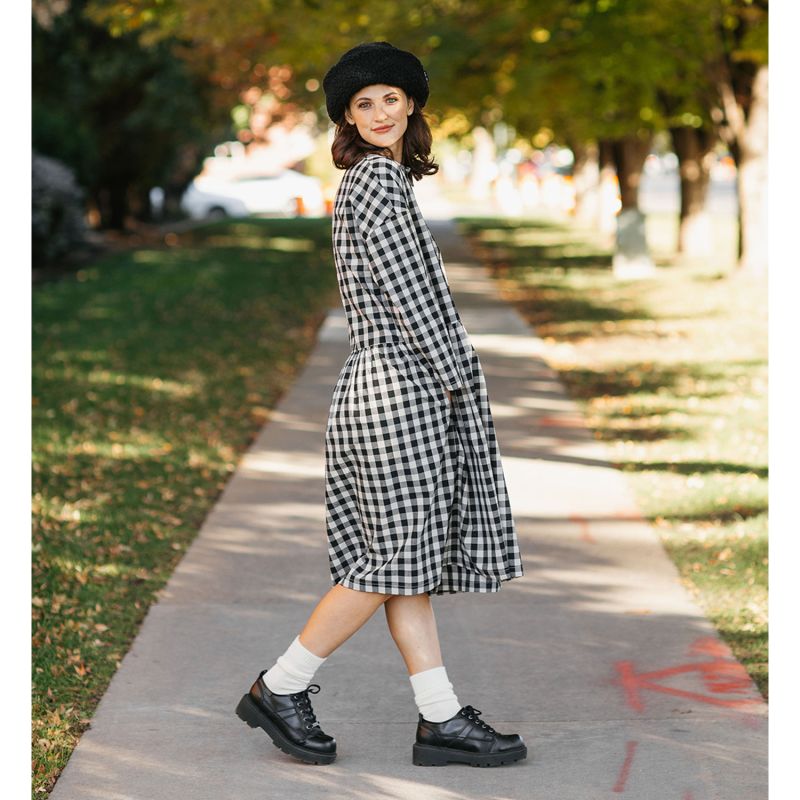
x=738, y=67
x=718, y=49
x=121, y=114
x=585, y=74
x=616, y=70
x=590, y=71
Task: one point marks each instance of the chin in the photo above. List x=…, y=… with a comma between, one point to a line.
x=384, y=145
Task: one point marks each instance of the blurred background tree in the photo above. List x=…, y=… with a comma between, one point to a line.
x=124, y=115
x=602, y=77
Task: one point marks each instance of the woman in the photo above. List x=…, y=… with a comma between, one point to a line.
x=416, y=501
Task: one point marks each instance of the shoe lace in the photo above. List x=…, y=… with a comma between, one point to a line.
x=303, y=705
x=470, y=712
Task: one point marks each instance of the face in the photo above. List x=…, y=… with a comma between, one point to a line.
x=381, y=113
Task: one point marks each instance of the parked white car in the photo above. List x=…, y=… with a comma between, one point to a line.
x=287, y=193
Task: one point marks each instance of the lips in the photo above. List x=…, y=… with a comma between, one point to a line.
x=382, y=130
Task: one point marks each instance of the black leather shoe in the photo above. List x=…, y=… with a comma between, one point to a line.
x=288, y=720
x=465, y=739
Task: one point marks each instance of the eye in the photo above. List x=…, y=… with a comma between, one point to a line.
x=366, y=103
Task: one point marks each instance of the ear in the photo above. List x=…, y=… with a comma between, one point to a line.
x=410, y=106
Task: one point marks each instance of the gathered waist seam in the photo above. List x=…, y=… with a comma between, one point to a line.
x=378, y=343
x=381, y=341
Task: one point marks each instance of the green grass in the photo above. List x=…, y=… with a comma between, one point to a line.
x=671, y=372
x=153, y=369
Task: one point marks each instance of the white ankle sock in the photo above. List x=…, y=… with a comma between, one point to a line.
x=433, y=694
x=294, y=670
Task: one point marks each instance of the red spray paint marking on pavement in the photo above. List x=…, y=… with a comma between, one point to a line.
x=586, y=535
x=625, y=770
x=630, y=751
x=722, y=674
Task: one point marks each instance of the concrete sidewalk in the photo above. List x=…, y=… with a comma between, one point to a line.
x=597, y=656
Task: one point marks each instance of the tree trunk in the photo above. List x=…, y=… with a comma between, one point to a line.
x=629, y=154
x=752, y=179
x=139, y=205
x=483, y=165
x=119, y=206
x=632, y=257
x=586, y=181
x=113, y=205
x=607, y=215
x=693, y=148
x=172, y=202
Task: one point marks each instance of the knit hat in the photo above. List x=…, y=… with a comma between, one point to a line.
x=368, y=63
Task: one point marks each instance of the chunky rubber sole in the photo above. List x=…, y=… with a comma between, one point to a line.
x=428, y=756
x=248, y=711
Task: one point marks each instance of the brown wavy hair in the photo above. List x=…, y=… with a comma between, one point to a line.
x=349, y=147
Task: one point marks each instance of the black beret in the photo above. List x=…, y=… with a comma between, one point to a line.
x=368, y=63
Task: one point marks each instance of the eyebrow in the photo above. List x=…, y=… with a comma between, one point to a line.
x=369, y=98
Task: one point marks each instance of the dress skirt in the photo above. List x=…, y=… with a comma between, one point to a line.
x=415, y=493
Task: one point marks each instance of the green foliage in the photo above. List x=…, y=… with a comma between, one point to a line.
x=57, y=223
x=119, y=113
x=589, y=69
x=585, y=70
x=226, y=41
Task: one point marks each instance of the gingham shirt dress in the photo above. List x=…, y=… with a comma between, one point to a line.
x=415, y=494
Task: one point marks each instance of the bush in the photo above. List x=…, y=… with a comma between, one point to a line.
x=59, y=228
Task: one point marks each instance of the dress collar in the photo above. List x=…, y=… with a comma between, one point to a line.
x=406, y=169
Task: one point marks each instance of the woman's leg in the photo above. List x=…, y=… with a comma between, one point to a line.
x=337, y=616
x=278, y=701
x=413, y=628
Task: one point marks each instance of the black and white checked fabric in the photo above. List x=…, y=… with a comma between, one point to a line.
x=415, y=493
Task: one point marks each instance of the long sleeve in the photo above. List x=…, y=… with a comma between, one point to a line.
x=400, y=269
